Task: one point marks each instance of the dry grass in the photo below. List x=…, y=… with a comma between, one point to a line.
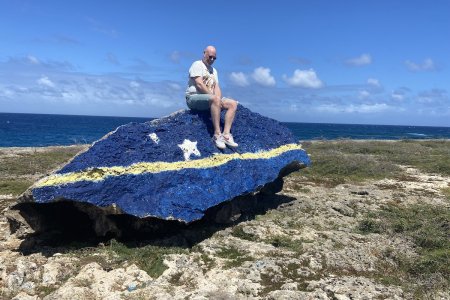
x=428, y=227
x=20, y=168
x=337, y=162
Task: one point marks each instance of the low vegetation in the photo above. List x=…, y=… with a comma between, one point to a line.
x=428, y=228
x=234, y=257
x=14, y=187
x=446, y=192
x=148, y=258
x=114, y=254
x=36, y=161
x=337, y=162
x=18, y=170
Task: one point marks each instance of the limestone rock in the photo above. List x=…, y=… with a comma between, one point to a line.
x=24, y=296
x=349, y=287
x=23, y=277
x=93, y=281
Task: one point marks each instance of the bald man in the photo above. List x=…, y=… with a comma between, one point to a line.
x=203, y=93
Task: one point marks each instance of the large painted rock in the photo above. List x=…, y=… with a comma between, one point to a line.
x=169, y=168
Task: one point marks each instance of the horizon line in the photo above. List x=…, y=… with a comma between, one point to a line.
x=153, y=118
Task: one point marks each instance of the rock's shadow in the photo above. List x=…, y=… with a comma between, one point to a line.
x=61, y=226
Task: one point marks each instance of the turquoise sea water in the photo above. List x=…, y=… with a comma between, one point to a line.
x=33, y=130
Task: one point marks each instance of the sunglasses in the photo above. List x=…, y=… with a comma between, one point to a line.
x=212, y=57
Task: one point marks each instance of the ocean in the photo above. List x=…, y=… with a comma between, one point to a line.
x=37, y=130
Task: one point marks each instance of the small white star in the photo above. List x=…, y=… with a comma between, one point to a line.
x=189, y=148
x=154, y=137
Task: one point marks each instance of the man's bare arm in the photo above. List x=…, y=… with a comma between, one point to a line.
x=201, y=87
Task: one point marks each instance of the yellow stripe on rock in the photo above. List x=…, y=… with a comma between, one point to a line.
x=97, y=174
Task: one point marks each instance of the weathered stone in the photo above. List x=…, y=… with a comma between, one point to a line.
x=102, y=284
x=348, y=287
x=342, y=209
x=25, y=296
x=53, y=270
x=20, y=278
x=170, y=169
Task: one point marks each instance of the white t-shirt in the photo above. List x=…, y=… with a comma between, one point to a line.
x=208, y=74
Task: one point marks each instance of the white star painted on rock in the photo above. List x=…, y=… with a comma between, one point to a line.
x=189, y=148
x=154, y=138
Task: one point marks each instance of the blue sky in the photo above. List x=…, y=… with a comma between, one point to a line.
x=364, y=62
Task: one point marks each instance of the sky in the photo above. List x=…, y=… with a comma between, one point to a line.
x=349, y=61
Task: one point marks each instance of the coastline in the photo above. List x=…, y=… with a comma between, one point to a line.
x=334, y=234
x=55, y=147
x=43, y=130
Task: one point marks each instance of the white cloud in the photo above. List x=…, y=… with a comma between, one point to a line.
x=363, y=59
x=45, y=81
x=33, y=60
x=293, y=107
x=353, y=108
x=304, y=78
x=134, y=84
x=398, y=96
x=426, y=65
x=52, y=88
x=175, y=86
x=71, y=97
x=6, y=92
x=434, y=96
x=363, y=94
x=373, y=82
x=367, y=108
x=262, y=76
x=239, y=79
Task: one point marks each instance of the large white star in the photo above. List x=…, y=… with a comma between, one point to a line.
x=189, y=148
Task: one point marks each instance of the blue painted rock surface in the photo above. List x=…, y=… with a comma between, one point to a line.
x=170, y=169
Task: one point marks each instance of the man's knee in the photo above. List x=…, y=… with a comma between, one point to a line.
x=230, y=104
x=214, y=100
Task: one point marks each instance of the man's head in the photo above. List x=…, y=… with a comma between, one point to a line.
x=209, y=55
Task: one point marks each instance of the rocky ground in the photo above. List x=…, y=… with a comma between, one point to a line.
x=313, y=244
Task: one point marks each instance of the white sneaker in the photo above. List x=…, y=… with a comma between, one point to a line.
x=219, y=141
x=229, y=141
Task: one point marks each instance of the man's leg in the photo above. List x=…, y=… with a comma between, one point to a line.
x=215, y=107
x=230, y=105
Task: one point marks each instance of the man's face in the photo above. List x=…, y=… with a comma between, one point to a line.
x=209, y=56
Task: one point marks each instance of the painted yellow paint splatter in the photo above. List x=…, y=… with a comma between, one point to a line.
x=98, y=174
